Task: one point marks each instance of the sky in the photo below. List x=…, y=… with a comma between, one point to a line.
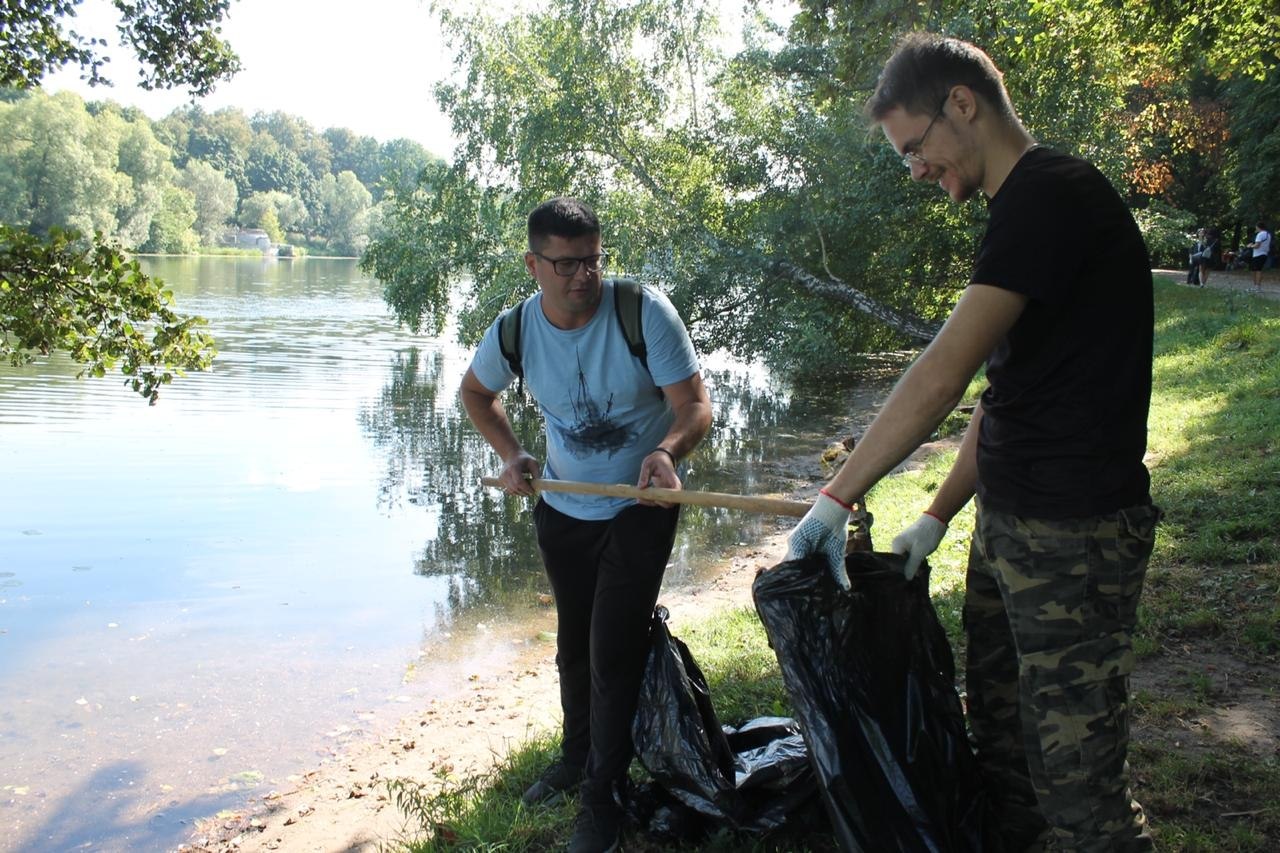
x=368, y=66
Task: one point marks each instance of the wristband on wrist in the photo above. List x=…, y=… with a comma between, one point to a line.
x=936, y=517
x=836, y=499
x=674, y=461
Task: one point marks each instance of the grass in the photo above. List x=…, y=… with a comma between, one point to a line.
x=1213, y=585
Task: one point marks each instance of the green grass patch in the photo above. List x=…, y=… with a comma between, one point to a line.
x=742, y=671
x=1214, y=426
x=229, y=251
x=1206, y=801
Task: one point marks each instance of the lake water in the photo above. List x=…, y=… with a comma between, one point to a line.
x=200, y=598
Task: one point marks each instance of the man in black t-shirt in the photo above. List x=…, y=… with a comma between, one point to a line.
x=1054, y=451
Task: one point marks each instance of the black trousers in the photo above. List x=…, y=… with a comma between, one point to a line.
x=605, y=576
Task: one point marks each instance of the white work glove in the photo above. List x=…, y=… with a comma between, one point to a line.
x=919, y=541
x=823, y=530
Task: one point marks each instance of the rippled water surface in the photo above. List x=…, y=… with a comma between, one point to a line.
x=200, y=598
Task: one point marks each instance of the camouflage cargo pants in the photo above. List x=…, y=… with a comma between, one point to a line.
x=1049, y=612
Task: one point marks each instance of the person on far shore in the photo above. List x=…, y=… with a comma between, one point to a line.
x=1054, y=451
x=1261, y=247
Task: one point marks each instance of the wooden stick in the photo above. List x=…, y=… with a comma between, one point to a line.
x=768, y=506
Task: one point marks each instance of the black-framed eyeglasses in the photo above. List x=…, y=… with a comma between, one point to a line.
x=569, y=266
x=913, y=157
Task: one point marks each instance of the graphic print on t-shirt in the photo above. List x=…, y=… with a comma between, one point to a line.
x=594, y=430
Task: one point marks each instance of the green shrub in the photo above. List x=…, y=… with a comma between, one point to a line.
x=1168, y=232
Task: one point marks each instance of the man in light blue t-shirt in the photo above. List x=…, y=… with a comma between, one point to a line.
x=609, y=418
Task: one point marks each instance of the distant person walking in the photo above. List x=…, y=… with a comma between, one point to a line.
x=1207, y=254
x=1193, y=260
x=1261, y=246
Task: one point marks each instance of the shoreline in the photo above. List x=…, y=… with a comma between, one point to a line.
x=343, y=805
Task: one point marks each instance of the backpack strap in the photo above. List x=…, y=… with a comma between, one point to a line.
x=628, y=304
x=509, y=340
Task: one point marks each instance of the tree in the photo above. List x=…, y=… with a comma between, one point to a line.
x=269, y=222
x=346, y=206
x=144, y=173
x=288, y=211
x=361, y=155
x=1253, y=124
x=214, y=196
x=402, y=161
x=749, y=186
x=86, y=298
x=58, y=290
x=171, y=226
x=609, y=102
x=175, y=40
x=61, y=172
x=222, y=139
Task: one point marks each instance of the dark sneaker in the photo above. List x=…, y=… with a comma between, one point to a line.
x=559, y=778
x=596, y=830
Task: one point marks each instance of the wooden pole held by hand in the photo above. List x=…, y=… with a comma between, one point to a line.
x=767, y=506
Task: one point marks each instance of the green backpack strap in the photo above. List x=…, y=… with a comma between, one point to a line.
x=628, y=303
x=509, y=340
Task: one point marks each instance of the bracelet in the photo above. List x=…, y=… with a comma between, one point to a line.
x=935, y=517
x=823, y=491
x=674, y=461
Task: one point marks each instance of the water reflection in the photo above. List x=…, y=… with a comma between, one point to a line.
x=482, y=543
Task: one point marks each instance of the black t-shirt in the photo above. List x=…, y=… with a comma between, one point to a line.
x=1064, y=428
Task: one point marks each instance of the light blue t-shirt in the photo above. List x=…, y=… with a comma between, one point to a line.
x=602, y=410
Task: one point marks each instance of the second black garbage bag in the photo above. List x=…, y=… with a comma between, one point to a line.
x=708, y=777
x=872, y=681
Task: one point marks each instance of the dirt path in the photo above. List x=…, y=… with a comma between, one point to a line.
x=1234, y=280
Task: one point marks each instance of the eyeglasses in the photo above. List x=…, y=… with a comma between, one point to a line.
x=913, y=158
x=568, y=266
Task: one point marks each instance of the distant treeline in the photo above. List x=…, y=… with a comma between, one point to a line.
x=189, y=179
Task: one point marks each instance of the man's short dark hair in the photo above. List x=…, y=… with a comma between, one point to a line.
x=923, y=69
x=561, y=217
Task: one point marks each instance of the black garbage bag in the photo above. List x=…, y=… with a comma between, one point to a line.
x=772, y=773
x=676, y=733
x=706, y=776
x=872, y=680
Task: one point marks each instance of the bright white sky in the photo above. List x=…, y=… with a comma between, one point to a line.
x=368, y=66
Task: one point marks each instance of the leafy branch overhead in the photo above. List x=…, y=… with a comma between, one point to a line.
x=59, y=291
x=176, y=41
x=87, y=299
x=745, y=180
